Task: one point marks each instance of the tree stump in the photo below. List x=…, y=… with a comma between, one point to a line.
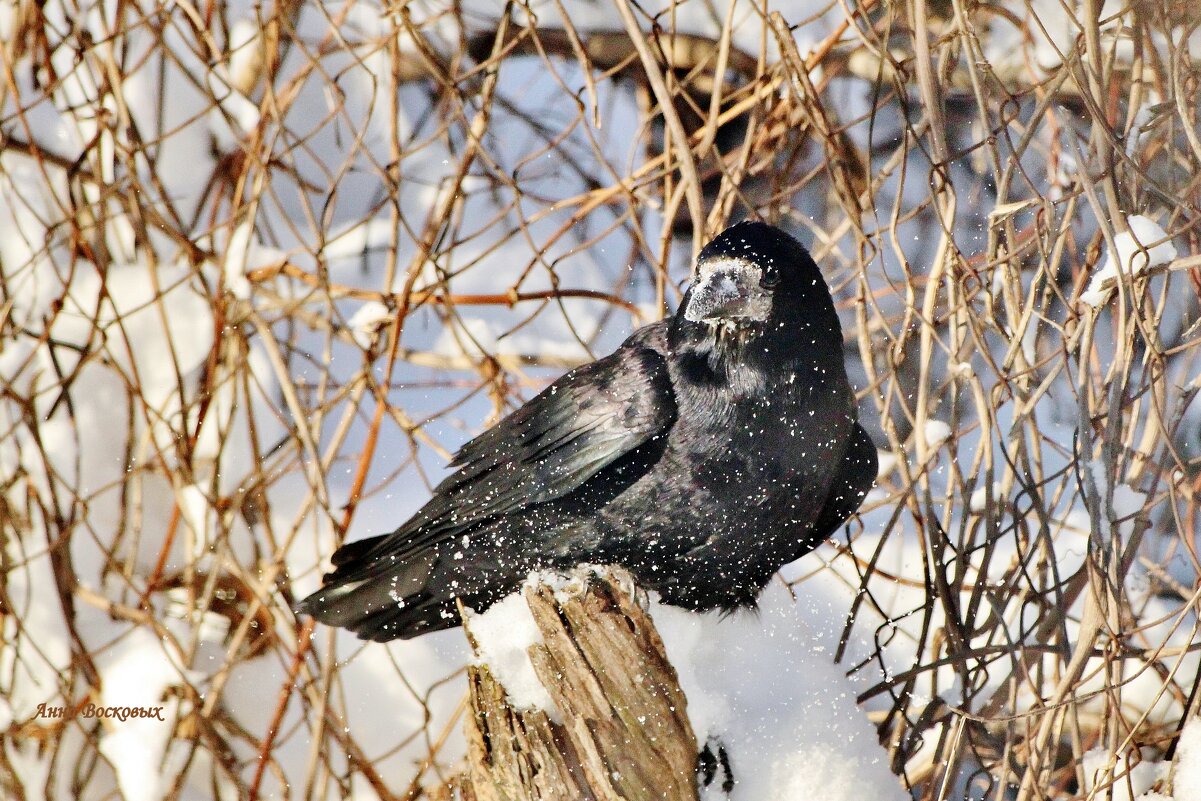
x=624, y=734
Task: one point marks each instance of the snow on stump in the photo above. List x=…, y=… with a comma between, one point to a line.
x=607, y=718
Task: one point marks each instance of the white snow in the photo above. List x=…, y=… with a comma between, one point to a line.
x=137, y=673
x=887, y=461
x=765, y=687
x=8, y=17
x=1127, y=501
x=365, y=323
x=1037, y=37
x=236, y=253
x=978, y=502
x=245, y=53
x=235, y=116
x=504, y=634
x=245, y=253
x=937, y=432
x=1144, y=246
x=354, y=240
x=194, y=509
x=1123, y=782
x=1186, y=776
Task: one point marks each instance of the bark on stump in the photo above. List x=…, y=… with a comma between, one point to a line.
x=624, y=734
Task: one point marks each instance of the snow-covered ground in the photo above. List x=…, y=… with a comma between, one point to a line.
x=181, y=434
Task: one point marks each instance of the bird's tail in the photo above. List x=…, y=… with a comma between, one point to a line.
x=379, y=598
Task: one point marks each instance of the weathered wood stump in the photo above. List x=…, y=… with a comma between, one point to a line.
x=623, y=733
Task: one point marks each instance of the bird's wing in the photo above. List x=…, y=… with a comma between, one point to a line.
x=549, y=447
x=856, y=475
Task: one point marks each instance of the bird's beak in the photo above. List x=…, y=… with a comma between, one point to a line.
x=727, y=290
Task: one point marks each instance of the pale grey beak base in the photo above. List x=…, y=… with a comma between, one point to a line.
x=728, y=290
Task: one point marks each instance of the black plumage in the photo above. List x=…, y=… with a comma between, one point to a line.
x=709, y=450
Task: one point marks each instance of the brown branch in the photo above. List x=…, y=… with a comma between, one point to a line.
x=421, y=297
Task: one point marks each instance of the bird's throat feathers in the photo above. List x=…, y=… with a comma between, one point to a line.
x=738, y=359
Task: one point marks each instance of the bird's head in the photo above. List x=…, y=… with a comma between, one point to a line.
x=754, y=277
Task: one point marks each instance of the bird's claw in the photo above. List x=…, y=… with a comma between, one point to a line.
x=710, y=760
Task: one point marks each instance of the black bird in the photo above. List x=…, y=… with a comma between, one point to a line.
x=709, y=450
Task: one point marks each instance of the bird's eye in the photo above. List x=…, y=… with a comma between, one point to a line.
x=770, y=279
